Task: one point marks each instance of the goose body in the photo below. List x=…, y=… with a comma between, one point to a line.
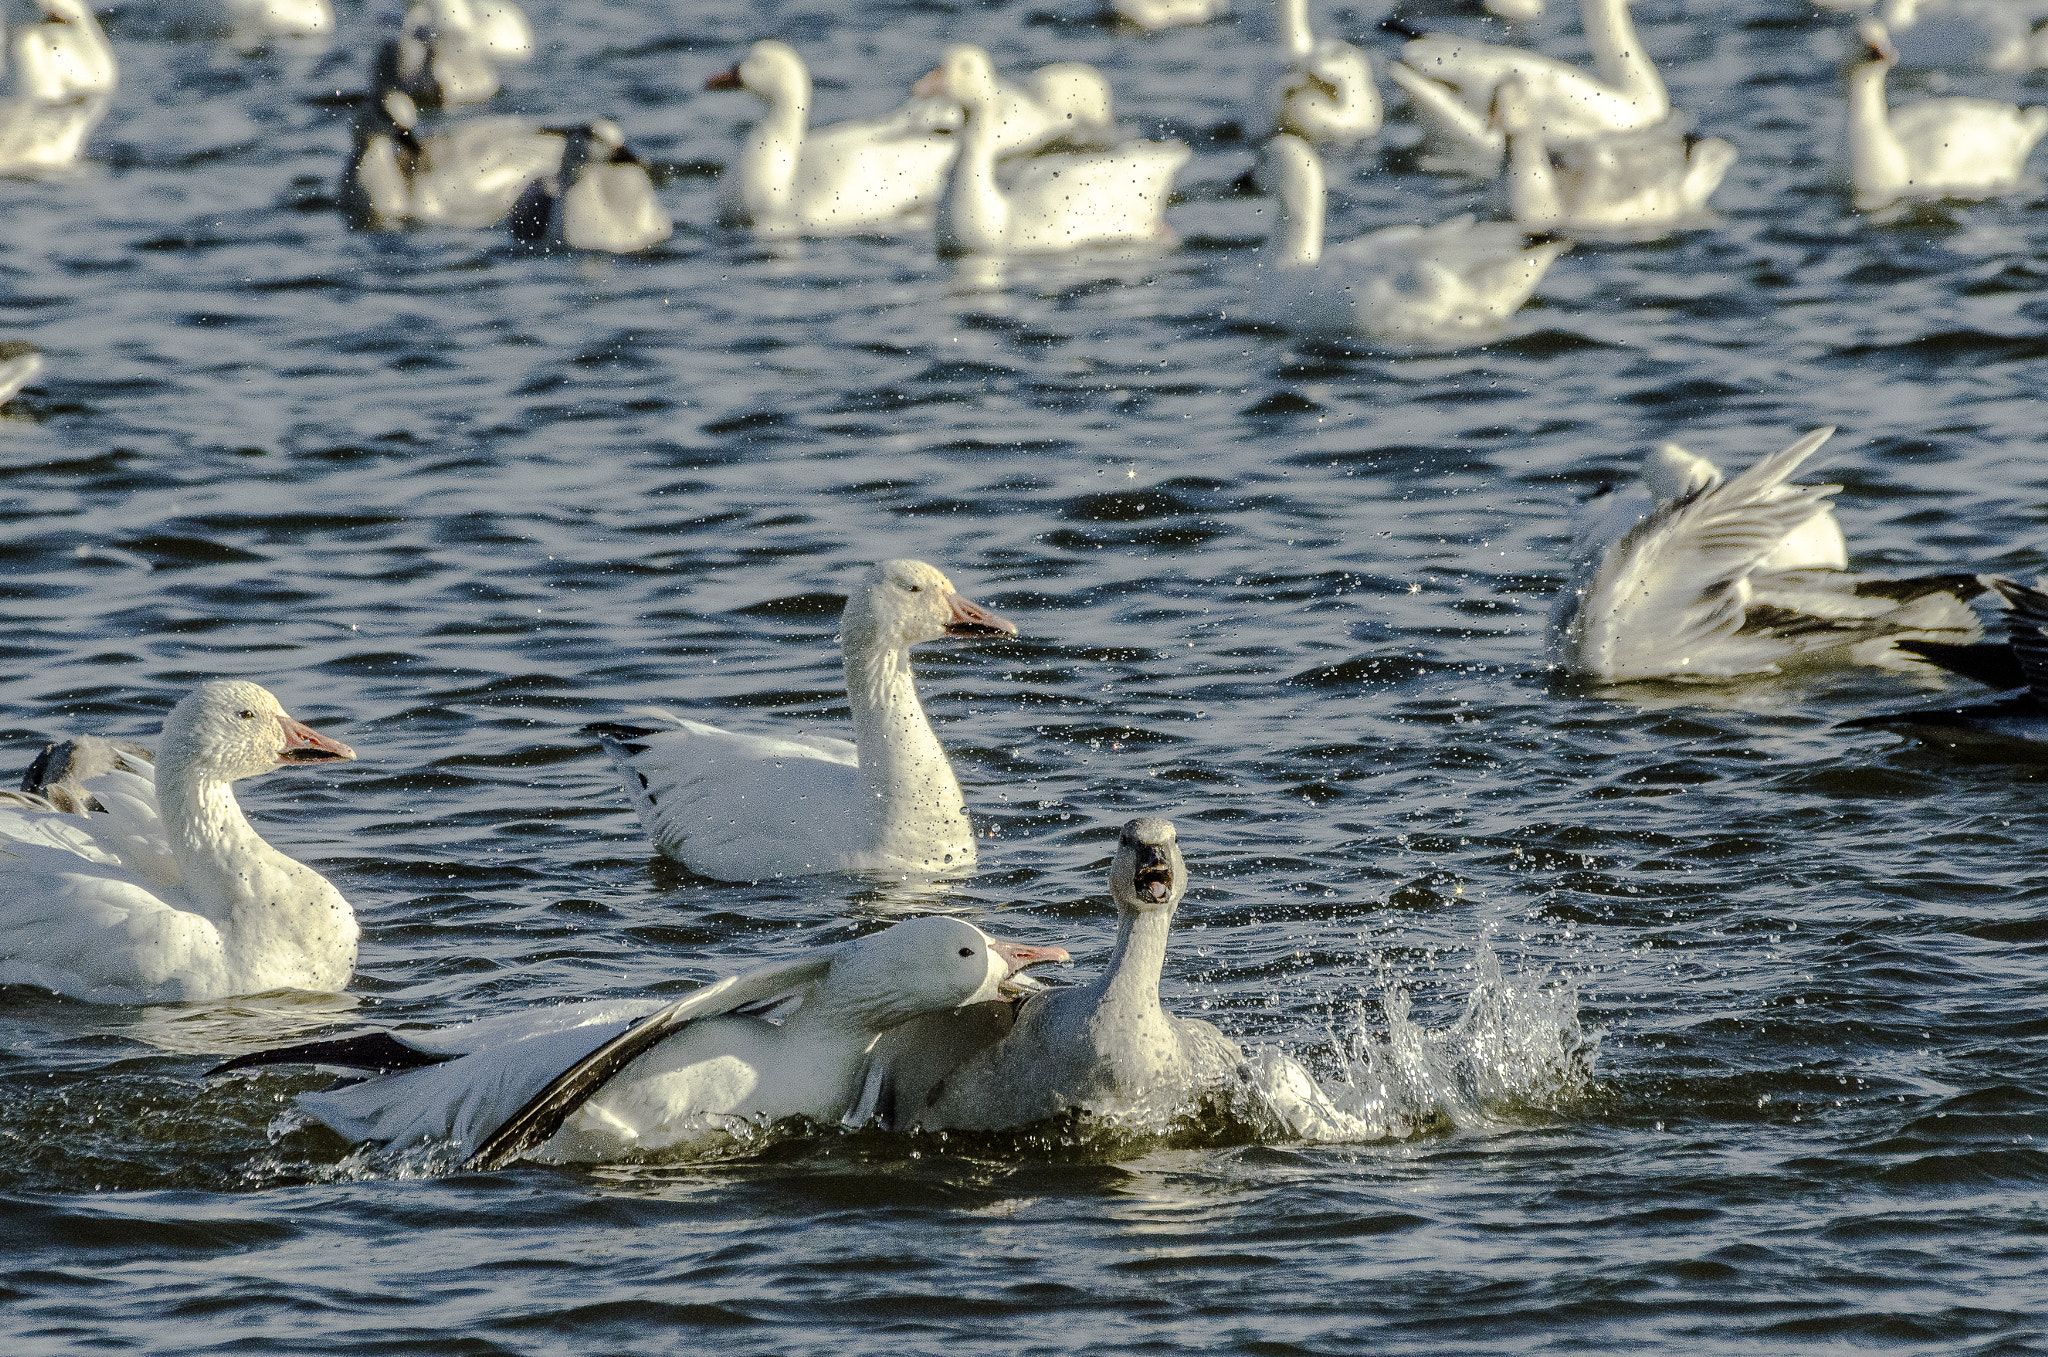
x=608, y=204
x=1156, y=15
x=1451, y=283
x=164, y=892
x=1067, y=102
x=1049, y=203
x=1105, y=1048
x=259, y=19
x=2017, y=722
x=592, y=1082
x=1935, y=148
x=1685, y=591
x=1326, y=91
x=1450, y=83
x=65, y=77
x=743, y=807
x=1634, y=182
x=470, y=173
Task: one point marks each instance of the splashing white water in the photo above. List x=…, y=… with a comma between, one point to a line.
x=1515, y=1050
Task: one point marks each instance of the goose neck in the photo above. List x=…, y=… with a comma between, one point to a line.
x=1618, y=53
x=1296, y=40
x=901, y=760
x=974, y=215
x=768, y=168
x=1298, y=233
x=1533, y=193
x=1132, y=988
x=1875, y=156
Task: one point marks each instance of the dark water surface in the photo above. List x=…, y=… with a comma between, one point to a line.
x=1689, y=1024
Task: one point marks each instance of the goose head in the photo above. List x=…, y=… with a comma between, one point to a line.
x=929, y=965
x=964, y=73
x=1148, y=874
x=1670, y=472
x=1511, y=111
x=232, y=728
x=905, y=603
x=1874, y=46
x=772, y=70
x=501, y=30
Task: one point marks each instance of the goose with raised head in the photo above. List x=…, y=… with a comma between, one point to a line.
x=1326, y=92
x=1450, y=84
x=65, y=76
x=471, y=173
x=609, y=203
x=747, y=807
x=1934, y=148
x=592, y=1082
x=1048, y=203
x=849, y=177
x=1685, y=592
x=2016, y=723
x=1453, y=283
x=1106, y=1048
x=1634, y=182
x=165, y=892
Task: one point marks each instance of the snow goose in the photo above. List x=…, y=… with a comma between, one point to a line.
x=1106, y=1048
x=746, y=807
x=1684, y=593
x=1327, y=92
x=1935, y=148
x=470, y=173
x=165, y=892
x=1452, y=283
x=444, y=55
x=588, y=1083
x=2017, y=722
x=1156, y=15
x=65, y=79
x=1450, y=84
x=794, y=179
x=1067, y=103
x=1628, y=181
x=1043, y=203
x=609, y=204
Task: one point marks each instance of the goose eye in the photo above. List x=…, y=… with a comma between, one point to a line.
x=246, y=714
x=915, y=588
x=966, y=951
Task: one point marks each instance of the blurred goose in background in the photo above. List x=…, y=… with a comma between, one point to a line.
x=1685, y=591
x=881, y=174
x=1451, y=82
x=1067, y=104
x=587, y=1083
x=1934, y=148
x=1629, y=181
x=65, y=76
x=1046, y=203
x=470, y=173
x=1327, y=92
x=164, y=892
x=1154, y=15
x=1106, y=1048
x=447, y=52
x=2019, y=669
x=609, y=204
x=1998, y=35
x=747, y=807
x=252, y=21
x=1451, y=283
x=20, y=364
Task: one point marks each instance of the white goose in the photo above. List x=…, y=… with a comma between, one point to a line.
x=745, y=807
x=447, y=52
x=1451, y=82
x=1106, y=1048
x=166, y=893
x=470, y=173
x=1727, y=580
x=252, y=21
x=1156, y=15
x=1635, y=182
x=1451, y=283
x=1068, y=102
x=588, y=1083
x=1327, y=93
x=1935, y=148
x=65, y=79
x=1049, y=203
x=609, y=203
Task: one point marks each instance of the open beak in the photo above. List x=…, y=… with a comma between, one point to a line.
x=1019, y=956
x=1155, y=873
x=971, y=619
x=931, y=84
x=726, y=80
x=303, y=744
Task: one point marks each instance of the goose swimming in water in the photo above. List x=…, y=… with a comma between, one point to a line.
x=2016, y=723
x=1452, y=283
x=447, y=52
x=1934, y=148
x=1632, y=181
x=593, y=1082
x=1327, y=92
x=470, y=173
x=747, y=807
x=1694, y=588
x=609, y=203
x=164, y=892
x=65, y=77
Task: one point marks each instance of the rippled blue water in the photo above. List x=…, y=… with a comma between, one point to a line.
x=452, y=500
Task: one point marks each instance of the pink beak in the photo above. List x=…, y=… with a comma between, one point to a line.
x=303, y=744
x=931, y=84
x=726, y=80
x=1019, y=956
x=971, y=619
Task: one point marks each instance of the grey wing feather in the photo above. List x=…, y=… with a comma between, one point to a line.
x=2027, y=628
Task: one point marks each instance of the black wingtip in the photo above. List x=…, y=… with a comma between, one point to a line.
x=1399, y=29
x=378, y=1052
x=1994, y=666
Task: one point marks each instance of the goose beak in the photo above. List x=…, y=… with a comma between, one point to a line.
x=931, y=84
x=1154, y=877
x=726, y=80
x=303, y=744
x=968, y=618
x=1017, y=956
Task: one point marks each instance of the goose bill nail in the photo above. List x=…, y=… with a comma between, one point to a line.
x=303, y=744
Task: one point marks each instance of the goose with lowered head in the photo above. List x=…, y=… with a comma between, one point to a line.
x=746, y=807
x=1933, y=148
x=1452, y=283
x=1732, y=578
x=1045, y=203
x=164, y=892
x=608, y=204
x=1634, y=182
x=592, y=1082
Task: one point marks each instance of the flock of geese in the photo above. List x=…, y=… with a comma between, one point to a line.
x=132, y=877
